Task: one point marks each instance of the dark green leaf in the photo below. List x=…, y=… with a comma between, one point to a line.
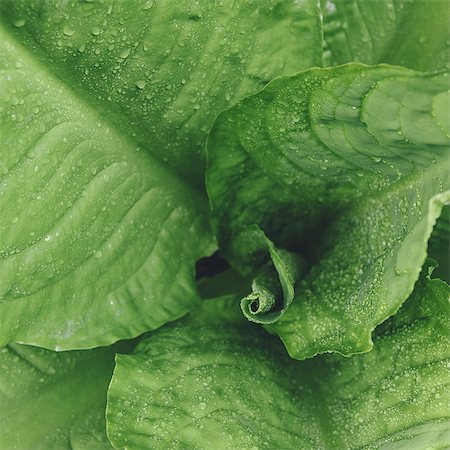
x=346, y=167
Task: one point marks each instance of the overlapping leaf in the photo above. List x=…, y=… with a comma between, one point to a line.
x=410, y=33
x=103, y=107
x=348, y=167
x=212, y=380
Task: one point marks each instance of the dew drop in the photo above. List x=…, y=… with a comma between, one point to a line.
x=124, y=53
x=147, y=5
x=20, y=23
x=140, y=84
x=68, y=30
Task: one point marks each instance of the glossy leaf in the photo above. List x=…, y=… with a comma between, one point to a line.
x=104, y=108
x=273, y=283
x=410, y=33
x=194, y=384
x=52, y=400
x=346, y=167
x=160, y=71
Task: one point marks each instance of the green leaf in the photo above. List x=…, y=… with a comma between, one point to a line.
x=439, y=245
x=196, y=384
x=344, y=166
x=98, y=240
x=160, y=71
x=104, y=109
x=52, y=400
x=411, y=33
x=273, y=286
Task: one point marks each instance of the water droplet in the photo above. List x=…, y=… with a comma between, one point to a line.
x=140, y=84
x=147, y=5
x=82, y=48
x=20, y=23
x=68, y=30
x=98, y=254
x=124, y=53
x=96, y=31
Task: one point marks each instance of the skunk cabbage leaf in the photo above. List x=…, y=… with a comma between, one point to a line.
x=348, y=167
x=212, y=380
x=160, y=71
x=101, y=216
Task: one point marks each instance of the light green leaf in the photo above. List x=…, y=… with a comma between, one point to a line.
x=200, y=385
x=52, y=400
x=102, y=106
x=411, y=33
x=168, y=66
x=346, y=167
x=98, y=240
